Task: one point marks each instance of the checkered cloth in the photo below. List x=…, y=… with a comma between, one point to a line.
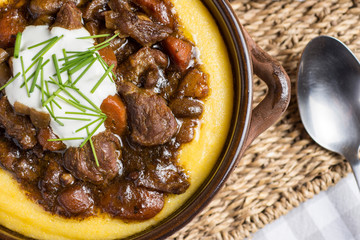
x=331, y=215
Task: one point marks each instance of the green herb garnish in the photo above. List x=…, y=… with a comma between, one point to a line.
x=96, y=47
x=10, y=81
x=66, y=60
x=36, y=74
x=102, y=78
x=93, y=148
x=87, y=125
x=93, y=131
x=47, y=47
x=24, y=75
x=39, y=44
x=56, y=65
x=17, y=45
x=85, y=71
x=86, y=114
x=72, y=62
x=95, y=36
x=65, y=139
x=77, y=119
x=42, y=86
x=82, y=64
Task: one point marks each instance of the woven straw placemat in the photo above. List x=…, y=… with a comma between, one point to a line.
x=283, y=167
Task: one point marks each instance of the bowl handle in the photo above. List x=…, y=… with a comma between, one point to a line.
x=269, y=110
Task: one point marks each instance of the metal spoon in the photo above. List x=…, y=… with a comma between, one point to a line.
x=328, y=93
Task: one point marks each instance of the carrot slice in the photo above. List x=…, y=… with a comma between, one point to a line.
x=180, y=51
x=115, y=111
x=109, y=57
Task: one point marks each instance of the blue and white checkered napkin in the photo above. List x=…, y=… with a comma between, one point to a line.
x=331, y=215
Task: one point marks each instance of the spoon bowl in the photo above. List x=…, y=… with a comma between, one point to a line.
x=328, y=93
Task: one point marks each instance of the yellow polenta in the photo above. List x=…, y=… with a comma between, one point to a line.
x=22, y=215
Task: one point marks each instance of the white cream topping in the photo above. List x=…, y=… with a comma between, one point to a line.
x=36, y=34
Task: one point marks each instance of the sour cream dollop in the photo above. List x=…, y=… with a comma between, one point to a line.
x=70, y=41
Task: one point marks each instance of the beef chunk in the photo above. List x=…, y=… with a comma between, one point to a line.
x=94, y=8
x=38, y=119
x=195, y=84
x=144, y=31
x=186, y=107
x=146, y=63
x=154, y=168
x=5, y=74
x=28, y=168
x=41, y=7
x=158, y=10
x=162, y=176
x=187, y=131
x=80, y=162
x=123, y=48
x=126, y=201
x=17, y=126
x=68, y=17
x=92, y=27
x=46, y=133
x=76, y=199
x=21, y=108
x=44, y=20
x=66, y=179
x=151, y=120
x=12, y=22
x=51, y=180
x=4, y=55
x=9, y=153
x=50, y=185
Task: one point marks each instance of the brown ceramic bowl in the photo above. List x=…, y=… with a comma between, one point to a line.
x=247, y=123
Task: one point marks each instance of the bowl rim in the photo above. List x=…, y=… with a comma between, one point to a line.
x=233, y=35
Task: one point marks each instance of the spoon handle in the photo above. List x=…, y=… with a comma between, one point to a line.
x=355, y=165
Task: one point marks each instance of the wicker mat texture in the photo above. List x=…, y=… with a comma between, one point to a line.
x=283, y=167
